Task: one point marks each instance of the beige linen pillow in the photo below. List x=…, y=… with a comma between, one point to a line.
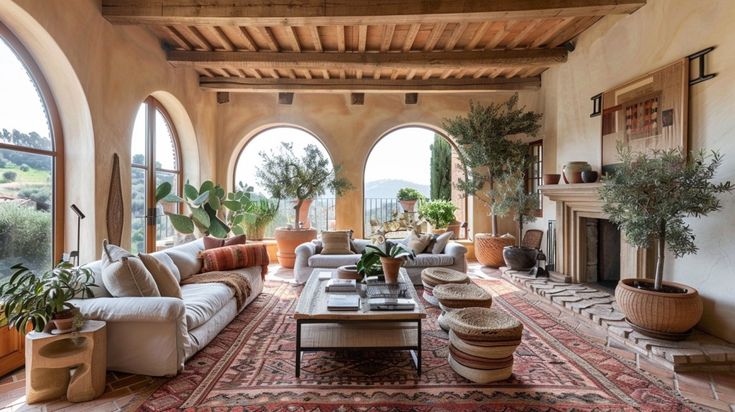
x=112, y=253
x=441, y=243
x=418, y=243
x=163, y=276
x=129, y=278
x=336, y=243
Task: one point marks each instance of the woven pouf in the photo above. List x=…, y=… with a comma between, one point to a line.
x=453, y=296
x=433, y=277
x=482, y=342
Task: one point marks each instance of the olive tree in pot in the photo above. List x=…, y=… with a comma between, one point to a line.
x=484, y=144
x=285, y=175
x=648, y=197
x=519, y=203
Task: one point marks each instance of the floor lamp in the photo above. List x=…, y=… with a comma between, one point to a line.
x=75, y=254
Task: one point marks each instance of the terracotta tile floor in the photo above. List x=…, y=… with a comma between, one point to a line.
x=713, y=390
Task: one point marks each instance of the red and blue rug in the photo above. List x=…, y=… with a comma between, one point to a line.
x=250, y=367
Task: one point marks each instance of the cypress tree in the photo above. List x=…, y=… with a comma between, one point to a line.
x=441, y=169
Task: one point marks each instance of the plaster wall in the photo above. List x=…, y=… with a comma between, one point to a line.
x=99, y=75
x=347, y=131
x=619, y=48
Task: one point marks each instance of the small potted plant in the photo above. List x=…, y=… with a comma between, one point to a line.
x=439, y=213
x=43, y=301
x=391, y=260
x=521, y=204
x=262, y=212
x=287, y=176
x=408, y=197
x=648, y=197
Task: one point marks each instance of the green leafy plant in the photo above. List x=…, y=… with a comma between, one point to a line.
x=650, y=195
x=408, y=193
x=483, y=137
x=372, y=254
x=440, y=213
x=514, y=198
x=262, y=212
x=369, y=265
x=30, y=298
x=441, y=169
x=285, y=175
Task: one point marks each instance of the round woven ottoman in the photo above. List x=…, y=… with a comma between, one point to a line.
x=433, y=277
x=452, y=296
x=482, y=342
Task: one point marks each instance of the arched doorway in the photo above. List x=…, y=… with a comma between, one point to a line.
x=321, y=213
x=415, y=157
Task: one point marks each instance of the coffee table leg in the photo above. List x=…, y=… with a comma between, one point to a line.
x=298, y=348
x=418, y=354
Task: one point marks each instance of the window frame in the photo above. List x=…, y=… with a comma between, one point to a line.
x=530, y=177
x=57, y=140
x=149, y=167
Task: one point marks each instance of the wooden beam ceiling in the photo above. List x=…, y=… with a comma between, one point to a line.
x=346, y=12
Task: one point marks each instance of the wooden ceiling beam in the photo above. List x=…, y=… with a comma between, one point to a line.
x=368, y=85
x=434, y=36
x=388, y=32
x=370, y=61
x=342, y=12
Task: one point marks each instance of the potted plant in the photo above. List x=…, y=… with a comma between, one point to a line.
x=262, y=213
x=43, y=300
x=391, y=260
x=648, y=197
x=484, y=144
x=439, y=213
x=408, y=197
x=521, y=204
x=287, y=176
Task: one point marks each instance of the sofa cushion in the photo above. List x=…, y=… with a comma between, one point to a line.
x=332, y=261
x=98, y=291
x=336, y=242
x=165, y=279
x=203, y=300
x=418, y=243
x=440, y=243
x=166, y=260
x=235, y=257
x=129, y=277
x=186, y=257
x=214, y=242
x=429, y=260
x=112, y=253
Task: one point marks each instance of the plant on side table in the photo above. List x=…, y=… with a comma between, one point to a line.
x=521, y=205
x=648, y=197
x=484, y=146
x=439, y=213
x=284, y=175
x=391, y=259
x=43, y=300
x=408, y=197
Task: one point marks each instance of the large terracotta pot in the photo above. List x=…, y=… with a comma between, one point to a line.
x=288, y=240
x=489, y=249
x=391, y=267
x=659, y=314
x=408, y=205
x=520, y=258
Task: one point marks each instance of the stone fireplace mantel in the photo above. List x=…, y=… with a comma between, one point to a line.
x=574, y=204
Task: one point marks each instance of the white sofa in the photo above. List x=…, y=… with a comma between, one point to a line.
x=307, y=260
x=156, y=335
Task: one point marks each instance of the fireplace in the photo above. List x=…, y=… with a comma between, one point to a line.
x=579, y=211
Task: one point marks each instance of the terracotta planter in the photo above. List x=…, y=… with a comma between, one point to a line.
x=489, y=249
x=63, y=321
x=439, y=231
x=551, y=179
x=288, y=240
x=659, y=314
x=519, y=258
x=454, y=228
x=408, y=205
x=572, y=171
x=391, y=267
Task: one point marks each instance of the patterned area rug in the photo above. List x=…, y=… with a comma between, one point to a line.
x=250, y=366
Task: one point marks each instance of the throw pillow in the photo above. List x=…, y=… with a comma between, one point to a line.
x=441, y=242
x=165, y=279
x=128, y=277
x=419, y=243
x=336, y=243
x=213, y=242
x=112, y=253
x=234, y=257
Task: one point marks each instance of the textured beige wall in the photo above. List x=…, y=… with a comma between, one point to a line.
x=620, y=48
x=100, y=74
x=348, y=132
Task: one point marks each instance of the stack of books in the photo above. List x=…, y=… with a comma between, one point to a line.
x=343, y=302
x=391, y=304
x=341, y=285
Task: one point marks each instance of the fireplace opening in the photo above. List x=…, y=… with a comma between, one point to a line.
x=602, y=242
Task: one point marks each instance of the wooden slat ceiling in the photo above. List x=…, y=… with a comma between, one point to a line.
x=332, y=45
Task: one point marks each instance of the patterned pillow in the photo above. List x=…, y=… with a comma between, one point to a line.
x=234, y=257
x=336, y=243
x=214, y=242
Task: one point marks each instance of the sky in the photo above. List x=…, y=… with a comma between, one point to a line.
x=21, y=107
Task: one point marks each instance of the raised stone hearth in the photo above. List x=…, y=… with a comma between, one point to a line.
x=699, y=352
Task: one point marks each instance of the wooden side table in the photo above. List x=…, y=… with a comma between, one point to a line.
x=50, y=358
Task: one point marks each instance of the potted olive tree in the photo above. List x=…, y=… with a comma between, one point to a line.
x=285, y=175
x=521, y=205
x=648, y=197
x=408, y=197
x=440, y=213
x=484, y=141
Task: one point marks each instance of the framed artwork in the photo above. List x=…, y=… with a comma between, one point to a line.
x=646, y=113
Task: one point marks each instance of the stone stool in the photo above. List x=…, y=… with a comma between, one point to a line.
x=482, y=342
x=433, y=277
x=453, y=296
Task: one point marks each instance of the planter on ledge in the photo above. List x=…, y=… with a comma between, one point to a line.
x=288, y=240
x=520, y=258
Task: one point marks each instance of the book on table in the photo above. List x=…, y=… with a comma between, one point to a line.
x=341, y=285
x=343, y=302
x=391, y=304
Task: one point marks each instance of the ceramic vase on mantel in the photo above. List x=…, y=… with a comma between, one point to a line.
x=572, y=171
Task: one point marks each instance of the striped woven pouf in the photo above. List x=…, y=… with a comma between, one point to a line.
x=433, y=277
x=453, y=296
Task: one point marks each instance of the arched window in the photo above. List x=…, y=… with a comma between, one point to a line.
x=155, y=158
x=319, y=215
x=31, y=211
x=410, y=157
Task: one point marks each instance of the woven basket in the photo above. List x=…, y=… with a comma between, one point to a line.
x=489, y=249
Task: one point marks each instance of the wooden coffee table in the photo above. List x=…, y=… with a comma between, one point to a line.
x=318, y=329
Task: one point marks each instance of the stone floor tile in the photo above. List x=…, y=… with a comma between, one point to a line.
x=711, y=403
x=654, y=368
